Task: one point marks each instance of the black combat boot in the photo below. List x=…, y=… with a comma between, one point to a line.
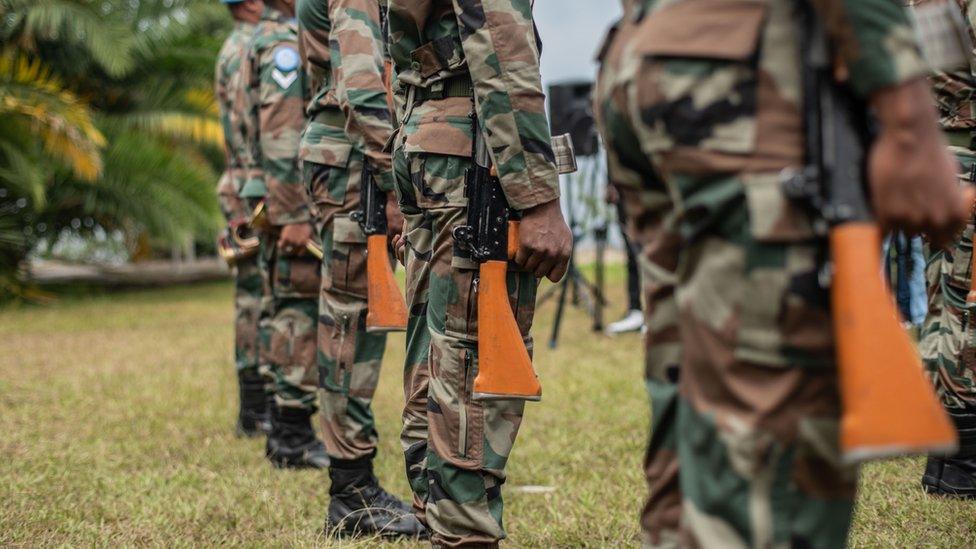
x=955, y=476
x=359, y=506
x=253, y=418
x=292, y=443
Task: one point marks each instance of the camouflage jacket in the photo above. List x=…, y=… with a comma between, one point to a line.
x=227, y=90
x=955, y=92
x=761, y=130
x=733, y=105
x=341, y=46
x=442, y=45
x=274, y=118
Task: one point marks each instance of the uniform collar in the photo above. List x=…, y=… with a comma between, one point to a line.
x=272, y=14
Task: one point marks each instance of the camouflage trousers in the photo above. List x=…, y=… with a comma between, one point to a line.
x=288, y=326
x=247, y=311
x=658, y=256
x=455, y=448
x=948, y=339
x=248, y=285
x=752, y=430
x=349, y=358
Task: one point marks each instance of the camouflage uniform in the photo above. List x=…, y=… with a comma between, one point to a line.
x=453, y=59
x=647, y=204
x=708, y=93
x=948, y=339
x=274, y=119
x=247, y=298
x=348, y=122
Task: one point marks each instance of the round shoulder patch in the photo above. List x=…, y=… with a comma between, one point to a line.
x=286, y=58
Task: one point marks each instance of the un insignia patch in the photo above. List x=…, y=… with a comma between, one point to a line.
x=286, y=59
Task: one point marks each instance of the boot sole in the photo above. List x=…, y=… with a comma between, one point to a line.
x=287, y=464
x=335, y=532
x=942, y=489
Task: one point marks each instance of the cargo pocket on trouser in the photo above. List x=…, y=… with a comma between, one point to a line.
x=958, y=260
x=457, y=296
x=457, y=426
x=296, y=276
x=756, y=328
x=317, y=183
x=346, y=258
x=292, y=350
x=698, y=95
x=437, y=180
x=784, y=313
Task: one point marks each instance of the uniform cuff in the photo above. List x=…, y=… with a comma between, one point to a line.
x=293, y=218
x=539, y=190
x=886, y=61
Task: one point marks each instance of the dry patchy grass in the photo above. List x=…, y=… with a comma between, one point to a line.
x=116, y=416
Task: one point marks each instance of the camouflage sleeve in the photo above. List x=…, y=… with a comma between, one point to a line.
x=877, y=41
x=220, y=93
x=254, y=184
x=281, y=118
x=499, y=42
x=231, y=204
x=357, y=70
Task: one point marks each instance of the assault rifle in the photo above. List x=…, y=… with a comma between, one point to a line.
x=387, y=307
x=889, y=407
x=491, y=237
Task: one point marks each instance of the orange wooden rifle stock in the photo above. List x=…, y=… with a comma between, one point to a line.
x=889, y=407
x=491, y=236
x=387, y=307
x=971, y=296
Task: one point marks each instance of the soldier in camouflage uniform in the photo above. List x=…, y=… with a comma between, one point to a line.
x=705, y=96
x=348, y=125
x=458, y=63
x=275, y=118
x=252, y=418
x=948, y=339
x=645, y=200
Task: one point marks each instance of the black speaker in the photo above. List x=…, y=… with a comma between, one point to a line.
x=571, y=111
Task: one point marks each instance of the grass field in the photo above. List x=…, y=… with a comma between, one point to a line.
x=116, y=416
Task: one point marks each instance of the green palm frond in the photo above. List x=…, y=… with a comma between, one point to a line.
x=203, y=130
x=166, y=190
x=82, y=24
x=61, y=121
x=22, y=175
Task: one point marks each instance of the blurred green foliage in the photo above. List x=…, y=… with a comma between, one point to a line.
x=107, y=124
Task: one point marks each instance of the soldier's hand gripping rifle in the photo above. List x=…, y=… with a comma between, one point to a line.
x=387, y=307
x=889, y=407
x=491, y=237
